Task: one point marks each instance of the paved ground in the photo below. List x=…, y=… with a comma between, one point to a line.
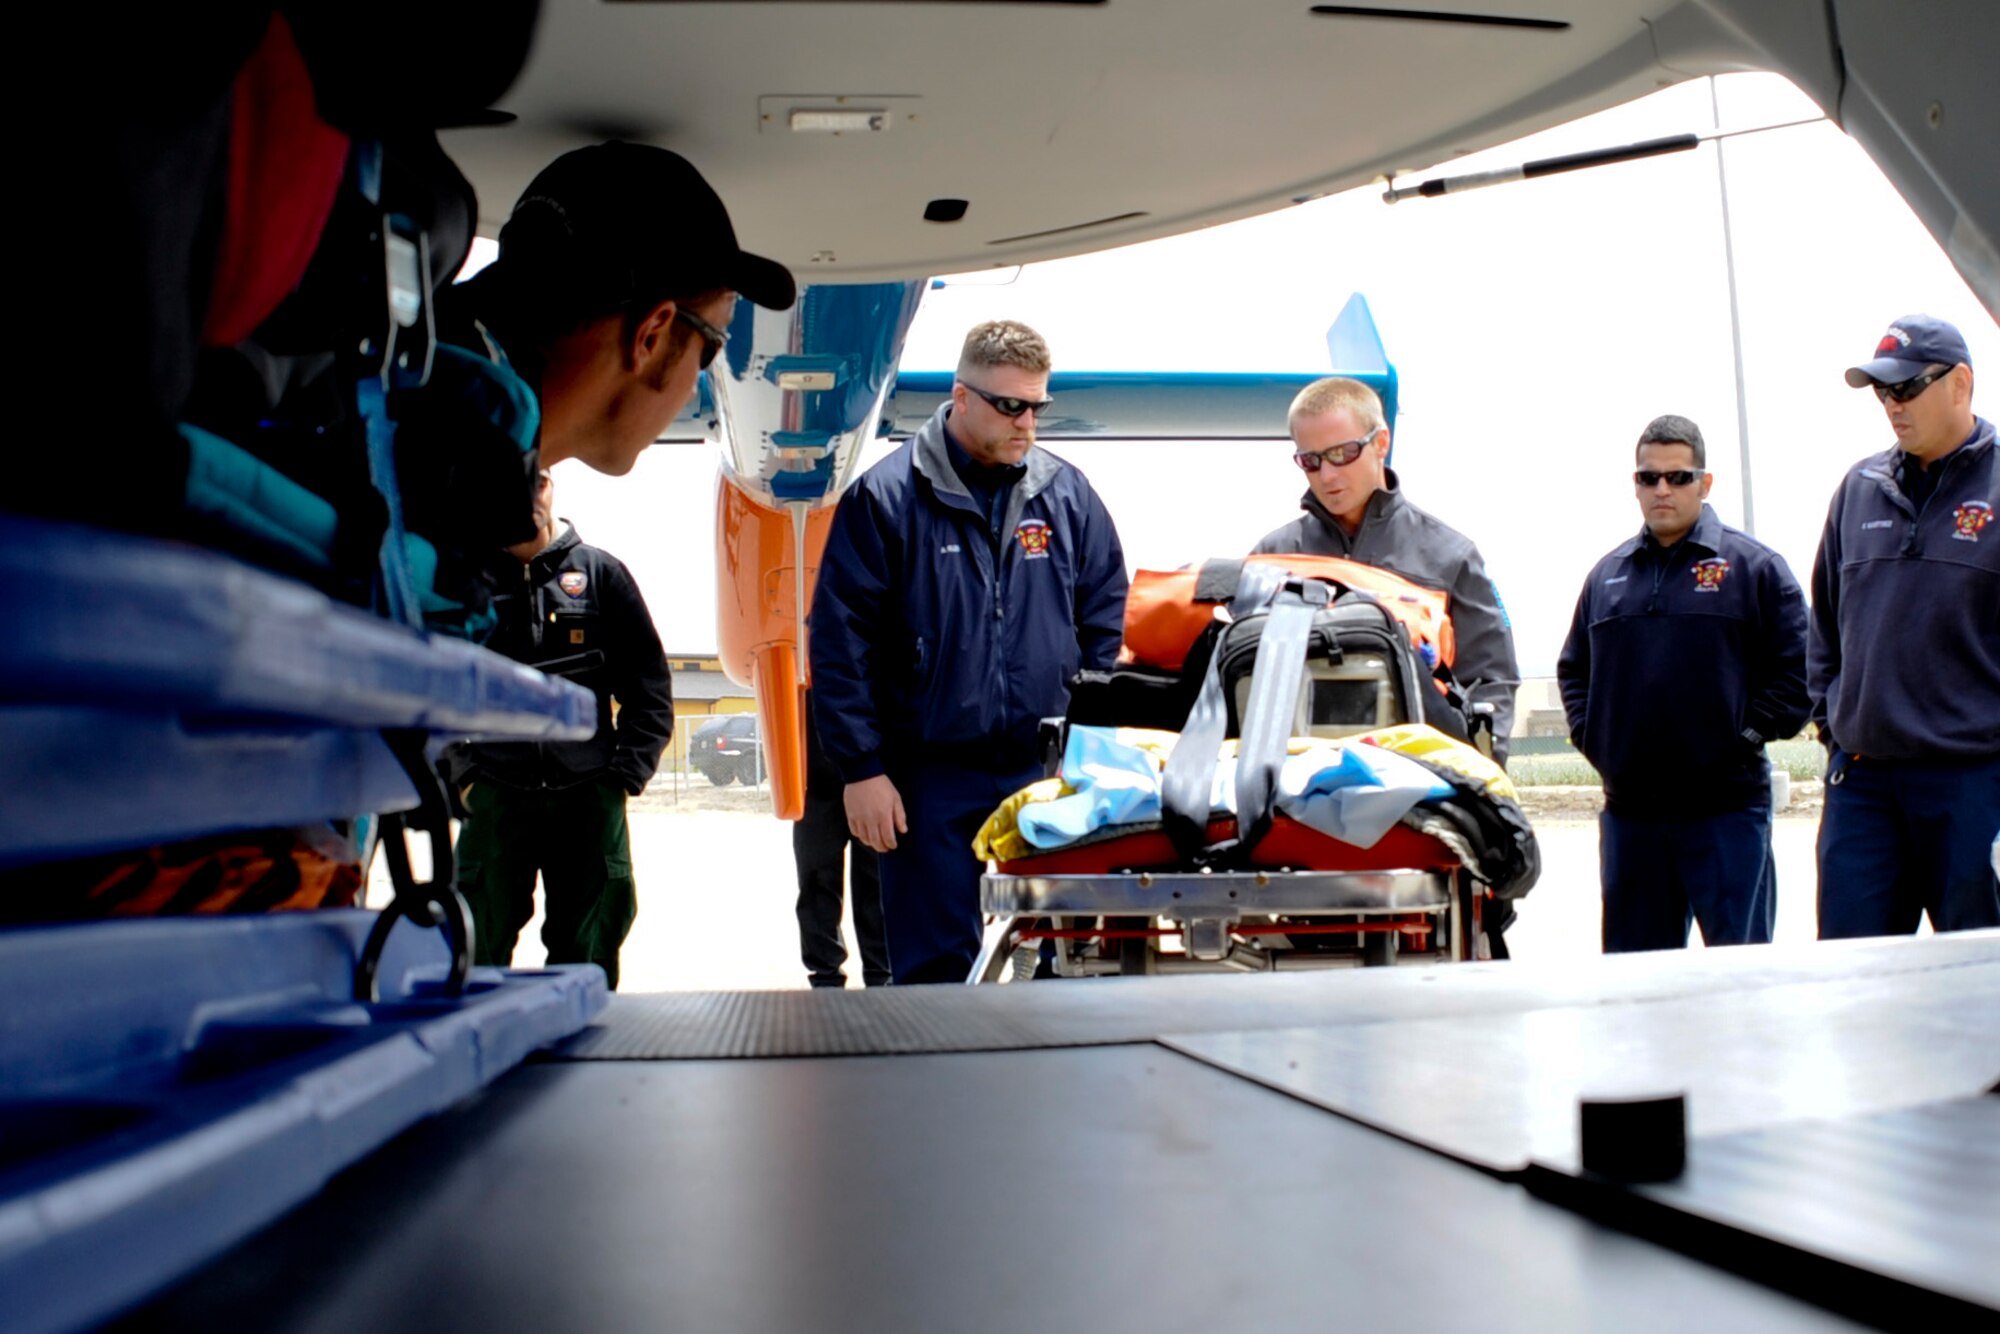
x=716, y=888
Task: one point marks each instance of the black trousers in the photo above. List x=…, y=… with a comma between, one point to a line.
x=820, y=844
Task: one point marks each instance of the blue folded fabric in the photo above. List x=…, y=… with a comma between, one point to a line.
x=1354, y=793
x=1351, y=792
x=1114, y=783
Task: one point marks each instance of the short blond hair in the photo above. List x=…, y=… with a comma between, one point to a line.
x=1003, y=343
x=1335, y=392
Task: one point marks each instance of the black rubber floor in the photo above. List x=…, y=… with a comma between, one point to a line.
x=1099, y=1011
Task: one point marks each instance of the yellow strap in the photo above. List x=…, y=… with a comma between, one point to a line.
x=1426, y=742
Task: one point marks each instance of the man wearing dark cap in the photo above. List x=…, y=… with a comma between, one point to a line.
x=1905, y=658
x=616, y=282
x=1687, y=653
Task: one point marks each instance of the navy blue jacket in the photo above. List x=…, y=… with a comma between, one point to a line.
x=1906, y=611
x=932, y=640
x=1681, y=662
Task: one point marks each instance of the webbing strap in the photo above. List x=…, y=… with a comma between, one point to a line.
x=398, y=591
x=437, y=901
x=397, y=595
x=368, y=169
x=1186, y=785
x=1273, y=706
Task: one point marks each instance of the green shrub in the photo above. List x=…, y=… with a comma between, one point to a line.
x=1801, y=759
x=1570, y=770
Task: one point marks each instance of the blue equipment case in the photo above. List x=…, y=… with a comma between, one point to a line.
x=152, y=691
x=170, y=1085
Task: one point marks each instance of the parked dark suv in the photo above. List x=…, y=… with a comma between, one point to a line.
x=726, y=749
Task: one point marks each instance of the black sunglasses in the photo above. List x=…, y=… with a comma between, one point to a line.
x=1012, y=407
x=1906, y=390
x=1649, y=479
x=1339, y=455
x=712, y=338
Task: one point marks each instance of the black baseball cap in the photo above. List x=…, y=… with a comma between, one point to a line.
x=619, y=222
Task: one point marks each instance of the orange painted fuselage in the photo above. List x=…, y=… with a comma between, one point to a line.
x=757, y=624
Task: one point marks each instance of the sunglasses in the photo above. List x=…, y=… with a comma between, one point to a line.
x=1012, y=407
x=1339, y=455
x=1908, y=389
x=1649, y=479
x=712, y=338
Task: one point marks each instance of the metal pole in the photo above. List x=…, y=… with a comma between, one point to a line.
x=1735, y=318
x=1439, y=186
x=1548, y=166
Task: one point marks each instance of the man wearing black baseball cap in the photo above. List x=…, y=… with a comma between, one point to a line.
x=1904, y=657
x=616, y=282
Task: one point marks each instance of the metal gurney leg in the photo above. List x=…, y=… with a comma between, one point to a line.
x=997, y=950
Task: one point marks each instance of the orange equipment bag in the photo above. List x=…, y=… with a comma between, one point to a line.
x=1167, y=610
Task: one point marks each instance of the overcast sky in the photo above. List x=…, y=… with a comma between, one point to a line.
x=1536, y=328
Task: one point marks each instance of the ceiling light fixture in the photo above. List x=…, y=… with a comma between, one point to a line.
x=839, y=120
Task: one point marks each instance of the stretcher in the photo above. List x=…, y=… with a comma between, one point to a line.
x=1280, y=890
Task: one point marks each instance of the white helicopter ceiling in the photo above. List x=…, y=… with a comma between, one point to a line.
x=830, y=128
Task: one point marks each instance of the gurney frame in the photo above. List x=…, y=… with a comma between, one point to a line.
x=1238, y=921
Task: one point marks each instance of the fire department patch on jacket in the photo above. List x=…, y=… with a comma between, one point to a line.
x=573, y=582
x=1033, y=535
x=1970, y=518
x=1709, y=574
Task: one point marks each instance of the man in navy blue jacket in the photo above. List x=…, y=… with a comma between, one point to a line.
x=1687, y=654
x=1905, y=668
x=967, y=577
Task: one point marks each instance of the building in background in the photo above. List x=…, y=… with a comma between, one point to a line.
x=701, y=692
